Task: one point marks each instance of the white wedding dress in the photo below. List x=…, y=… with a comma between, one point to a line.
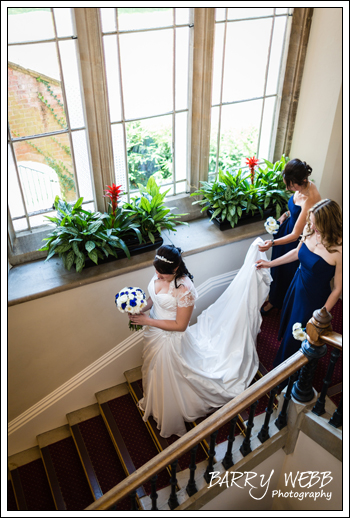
x=186, y=375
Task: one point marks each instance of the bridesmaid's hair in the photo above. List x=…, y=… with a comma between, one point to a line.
x=173, y=254
x=328, y=221
x=296, y=171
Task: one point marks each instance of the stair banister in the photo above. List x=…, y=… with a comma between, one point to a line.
x=197, y=434
x=319, y=332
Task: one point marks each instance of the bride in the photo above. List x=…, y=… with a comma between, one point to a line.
x=188, y=372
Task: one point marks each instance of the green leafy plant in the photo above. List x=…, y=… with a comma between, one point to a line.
x=80, y=234
x=225, y=195
x=231, y=194
x=150, y=213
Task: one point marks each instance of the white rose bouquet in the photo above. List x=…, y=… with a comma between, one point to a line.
x=271, y=226
x=299, y=332
x=131, y=300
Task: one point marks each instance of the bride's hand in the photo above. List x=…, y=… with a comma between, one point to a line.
x=266, y=246
x=140, y=320
x=261, y=263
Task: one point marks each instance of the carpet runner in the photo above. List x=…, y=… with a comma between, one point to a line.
x=32, y=487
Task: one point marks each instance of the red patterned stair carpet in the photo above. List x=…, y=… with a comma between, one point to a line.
x=268, y=344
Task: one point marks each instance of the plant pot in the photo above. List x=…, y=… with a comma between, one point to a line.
x=134, y=247
x=243, y=220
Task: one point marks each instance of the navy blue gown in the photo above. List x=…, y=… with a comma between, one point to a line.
x=308, y=291
x=282, y=275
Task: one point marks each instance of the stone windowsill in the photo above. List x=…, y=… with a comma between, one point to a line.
x=38, y=279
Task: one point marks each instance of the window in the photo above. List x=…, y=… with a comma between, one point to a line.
x=102, y=95
x=248, y=52
x=146, y=54
x=47, y=133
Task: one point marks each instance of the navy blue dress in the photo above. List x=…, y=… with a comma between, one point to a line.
x=308, y=291
x=282, y=275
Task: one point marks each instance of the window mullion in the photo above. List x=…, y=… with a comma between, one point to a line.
x=265, y=82
x=122, y=109
x=95, y=98
x=63, y=87
x=221, y=93
x=19, y=180
x=204, y=21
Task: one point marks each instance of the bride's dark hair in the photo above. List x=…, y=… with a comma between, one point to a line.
x=173, y=257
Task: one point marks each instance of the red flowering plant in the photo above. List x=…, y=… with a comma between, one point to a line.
x=252, y=163
x=119, y=219
x=114, y=192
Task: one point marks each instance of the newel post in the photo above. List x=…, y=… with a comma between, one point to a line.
x=313, y=348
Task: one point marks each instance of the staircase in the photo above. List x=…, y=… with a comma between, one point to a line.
x=102, y=444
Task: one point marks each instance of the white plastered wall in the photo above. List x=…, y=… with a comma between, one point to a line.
x=317, y=137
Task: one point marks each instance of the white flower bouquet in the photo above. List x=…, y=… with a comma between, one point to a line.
x=299, y=332
x=131, y=300
x=271, y=226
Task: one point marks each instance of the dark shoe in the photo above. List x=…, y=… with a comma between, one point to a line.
x=264, y=312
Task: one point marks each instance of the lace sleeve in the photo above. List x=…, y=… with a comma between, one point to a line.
x=187, y=295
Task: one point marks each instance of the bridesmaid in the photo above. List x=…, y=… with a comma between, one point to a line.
x=320, y=255
x=295, y=176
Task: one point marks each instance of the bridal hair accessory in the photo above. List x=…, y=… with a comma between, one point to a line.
x=161, y=258
x=271, y=227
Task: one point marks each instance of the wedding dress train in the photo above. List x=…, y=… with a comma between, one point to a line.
x=186, y=375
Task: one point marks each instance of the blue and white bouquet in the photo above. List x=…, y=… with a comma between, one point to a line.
x=131, y=300
x=271, y=226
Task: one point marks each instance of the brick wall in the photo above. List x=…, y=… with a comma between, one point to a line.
x=28, y=114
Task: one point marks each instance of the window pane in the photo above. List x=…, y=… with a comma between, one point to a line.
x=181, y=187
x=34, y=93
x=244, y=73
x=108, y=19
x=266, y=129
x=181, y=146
x=70, y=72
x=147, y=72
x=149, y=146
x=182, y=15
x=276, y=55
x=30, y=24
x=119, y=155
x=54, y=153
x=214, y=126
x=82, y=164
x=248, y=12
x=144, y=18
x=220, y=14
x=217, y=69
x=282, y=10
x=64, y=22
x=113, y=79
x=40, y=185
x=181, y=86
x=239, y=133
x=19, y=225
x=13, y=191
x=168, y=188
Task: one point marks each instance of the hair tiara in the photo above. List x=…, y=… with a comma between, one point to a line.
x=161, y=258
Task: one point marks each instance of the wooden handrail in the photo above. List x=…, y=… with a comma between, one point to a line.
x=333, y=339
x=197, y=434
